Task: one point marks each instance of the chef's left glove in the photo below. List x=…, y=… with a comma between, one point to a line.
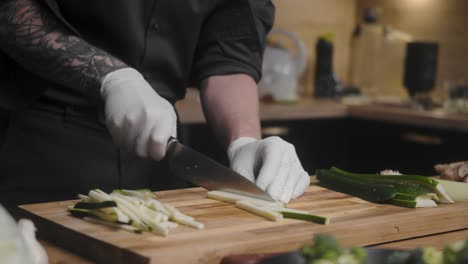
x=272, y=164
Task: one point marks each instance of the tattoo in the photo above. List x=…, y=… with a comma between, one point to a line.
x=37, y=40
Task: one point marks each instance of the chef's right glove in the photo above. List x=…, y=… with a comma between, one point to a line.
x=272, y=164
x=136, y=116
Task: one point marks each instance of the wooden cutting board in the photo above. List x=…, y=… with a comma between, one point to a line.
x=229, y=230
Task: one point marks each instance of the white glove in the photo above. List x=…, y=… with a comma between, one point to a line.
x=18, y=242
x=137, y=117
x=272, y=164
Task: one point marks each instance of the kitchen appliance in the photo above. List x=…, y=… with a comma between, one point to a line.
x=377, y=57
x=202, y=171
x=325, y=82
x=420, y=72
x=281, y=69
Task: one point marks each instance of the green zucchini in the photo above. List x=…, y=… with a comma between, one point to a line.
x=78, y=212
x=458, y=191
x=98, y=205
x=422, y=181
x=306, y=217
x=419, y=202
x=404, y=187
x=373, y=192
x=144, y=194
x=381, y=189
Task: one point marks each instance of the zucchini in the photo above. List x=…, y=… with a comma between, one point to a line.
x=143, y=194
x=458, y=191
x=419, y=202
x=407, y=191
x=98, y=205
x=132, y=210
x=258, y=210
x=422, y=181
x=366, y=190
x=229, y=197
x=305, y=217
x=113, y=215
x=115, y=225
x=78, y=212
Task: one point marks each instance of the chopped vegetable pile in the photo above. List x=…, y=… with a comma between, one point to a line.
x=397, y=189
x=132, y=210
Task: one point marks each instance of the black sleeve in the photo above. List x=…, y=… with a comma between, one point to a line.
x=232, y=40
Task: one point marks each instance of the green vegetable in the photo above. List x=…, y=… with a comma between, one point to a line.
x=306, y=217
x=401, y=190
x=98, y=205
x=458, y=191
x=421, y=181
x=326, y=250
x=424, y=255
x=456, y=252
x=370, y=191
x=143, y=194
x=115, y=218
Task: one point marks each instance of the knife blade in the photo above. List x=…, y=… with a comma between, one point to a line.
x=202, y=171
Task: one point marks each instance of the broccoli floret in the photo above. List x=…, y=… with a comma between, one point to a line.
x=432, y=256
x=359, y=254
x=323, y=247
x=456, y=252
x=399, y=257
x=425, y=255
x=326, y=250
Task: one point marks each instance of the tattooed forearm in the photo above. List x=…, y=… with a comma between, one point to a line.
x=32, y=36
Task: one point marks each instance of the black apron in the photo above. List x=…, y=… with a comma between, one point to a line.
x=52, y=152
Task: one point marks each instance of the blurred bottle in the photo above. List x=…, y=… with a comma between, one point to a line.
x=325, y=82
x=378, y=55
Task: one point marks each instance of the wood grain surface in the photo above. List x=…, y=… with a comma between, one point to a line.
x=230, y=230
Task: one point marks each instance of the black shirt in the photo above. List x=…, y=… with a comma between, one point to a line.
x=173, y=43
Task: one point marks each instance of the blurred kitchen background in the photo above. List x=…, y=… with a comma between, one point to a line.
x=337, y=81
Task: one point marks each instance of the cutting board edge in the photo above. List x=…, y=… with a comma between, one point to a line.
x=100, y=251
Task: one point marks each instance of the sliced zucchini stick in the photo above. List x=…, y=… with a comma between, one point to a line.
x=181, y=218
x=155, y=226
x=157, y=205
x=306, y=217
x=143, y=194
x=102, y=222
x=258, y=210
x=131, y=214
x=234, y=197
x=302, y=215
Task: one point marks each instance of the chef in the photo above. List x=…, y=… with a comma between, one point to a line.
x=90, y=88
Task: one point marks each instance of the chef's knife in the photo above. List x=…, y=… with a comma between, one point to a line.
x=202, y=171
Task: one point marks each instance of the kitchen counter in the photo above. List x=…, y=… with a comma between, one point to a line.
x=309, y=109
x=190, y=111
